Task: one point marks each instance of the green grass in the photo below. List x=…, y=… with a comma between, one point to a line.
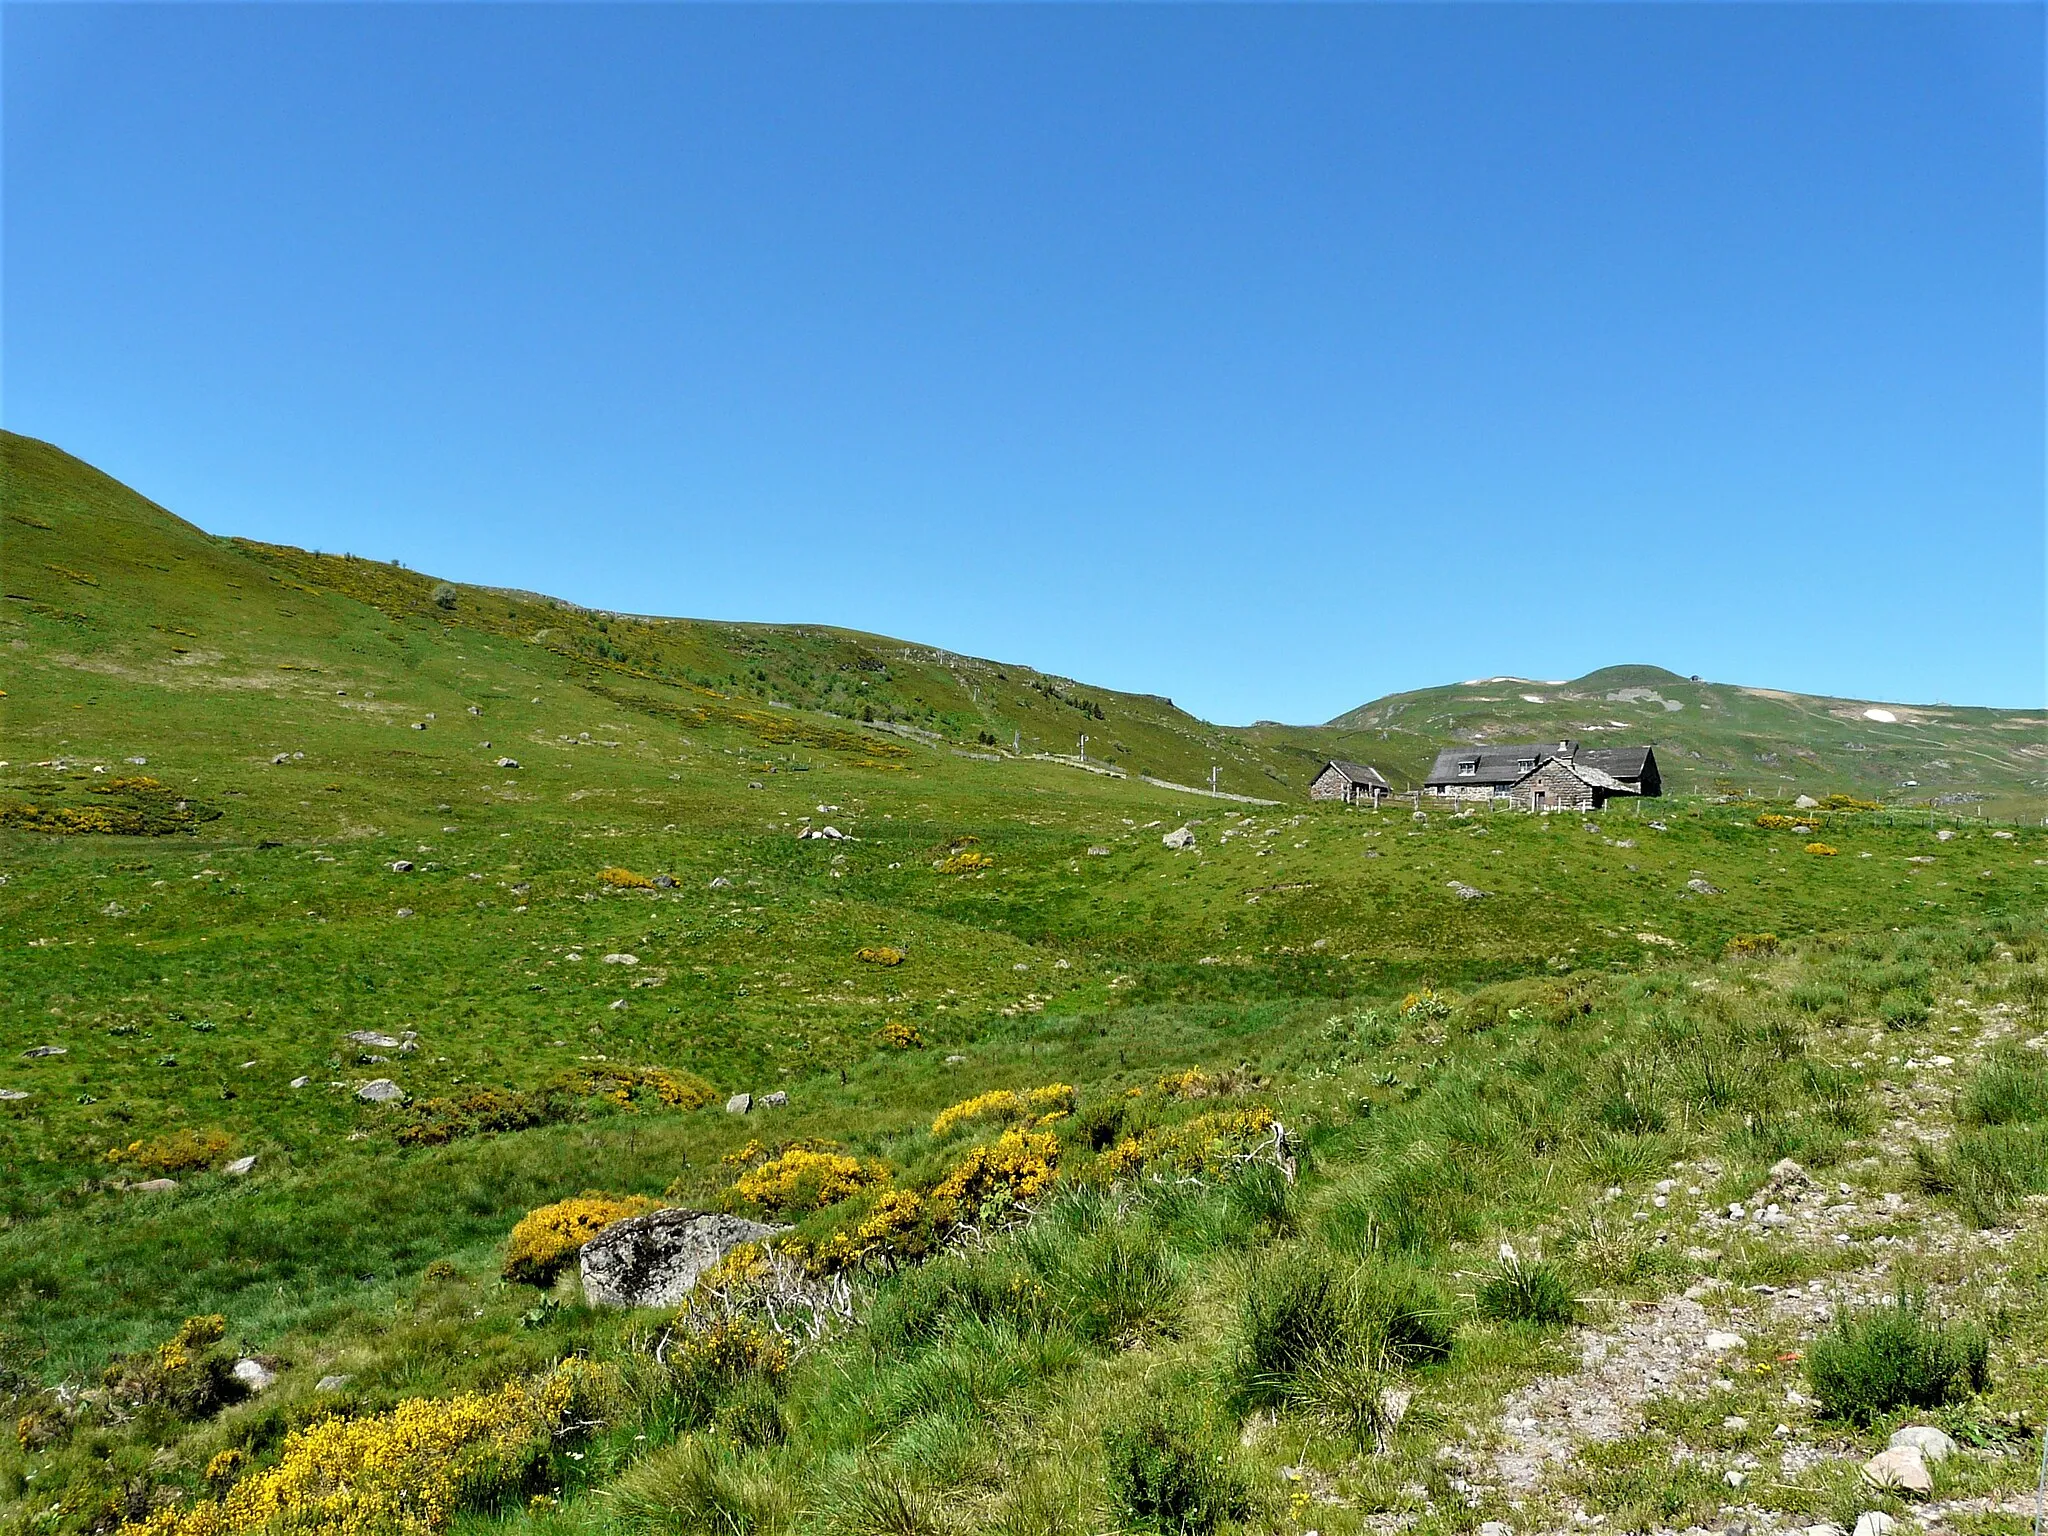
x=1588, y=1031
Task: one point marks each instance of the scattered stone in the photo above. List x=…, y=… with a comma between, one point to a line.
x=336, y=1383
x=739, y=1104
x=154, y=1186
x=665, y=882
x=1786, y=1175
x=1944, y=836
x=1465, y=892
x=1826, y=1528
x=300, y=1082
x=1719, y=1343
x=1875, y=1523
x=240, y=1165
x=281, y=758
x=508, y=762
x=1735, y=1479
x=1901, y=1468
x=253, y=1374
x=1932, y=1444
x=2003, y=837
x=405, y=911
x=654, y=1260
x=35, y=1052
x=776, y=1100
x=401, y=866
x=1098, y=852
x=372, y=1038
x=11, y=1095
x=719, y=883
x=1806, y=803
x=380, y=1091
x=951, y=1061
x=1702, y=888
x=621, y=959
x=1180, y=837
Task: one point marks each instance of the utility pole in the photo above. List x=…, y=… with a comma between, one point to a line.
x=1084, y=749
x=1212, y=778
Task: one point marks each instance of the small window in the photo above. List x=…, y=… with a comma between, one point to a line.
x=1468, y=767
x=1525, y=763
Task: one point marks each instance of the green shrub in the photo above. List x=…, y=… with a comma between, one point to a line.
x=1527, y=1292
x=1405, y=1312
x=1904, y=1010
x=1116, y=1287
x=1988, y=1172
x=1169, y=1472
x=2010, y=1089
x=1895, y=1356
x=700, y=1487
x=1295, y=1312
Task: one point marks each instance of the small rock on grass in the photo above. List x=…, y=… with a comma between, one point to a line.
x=254, y=1374
x=10, y=1095
x=776, y=1100
x=1875, y=1523
x=154, y=1187
x=1902, y=1468
x=300, y=1082
x=380, y=1090
x=241, y=1165
x=1932, y=1444
x=1720, y=1343
x=336, y=1383
x=739, y=1104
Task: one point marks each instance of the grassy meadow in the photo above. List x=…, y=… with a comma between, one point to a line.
x=1240, y=1267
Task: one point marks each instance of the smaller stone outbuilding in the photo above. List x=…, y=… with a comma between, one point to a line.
x=1560, y=784
x=1353, y=783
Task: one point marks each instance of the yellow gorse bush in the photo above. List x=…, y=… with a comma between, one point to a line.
x=803, y=1179
x=1752, y=944
x=406, y=1472
x=1018, y=1164
x=1049, y=1102
x=625, y=879
x=899, y=1036
x=1772, y=821
x=547, y=1239
x=1826, y=850
x=881, y=954
x=177, y=1152
x=964, y=862
x=1203, y=1144
x=900, y=1225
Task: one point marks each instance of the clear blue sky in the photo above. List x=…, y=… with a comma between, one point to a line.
x=1269, y=357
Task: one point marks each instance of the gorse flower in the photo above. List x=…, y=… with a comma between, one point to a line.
x=547, y=1239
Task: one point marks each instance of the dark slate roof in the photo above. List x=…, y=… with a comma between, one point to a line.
x=1621, y=762
x=1357, y=773
x=1495, y=764
x=1502, y=764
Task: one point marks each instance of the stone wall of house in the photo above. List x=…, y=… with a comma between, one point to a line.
x=1562, y=789
x=1461, y=791
x=1329, y=785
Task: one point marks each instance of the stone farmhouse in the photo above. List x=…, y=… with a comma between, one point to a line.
x=1353, y=783
x=1544, y=776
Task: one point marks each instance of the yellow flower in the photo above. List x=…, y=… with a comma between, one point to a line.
x=546, y=1239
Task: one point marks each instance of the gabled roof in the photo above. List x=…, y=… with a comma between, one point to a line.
x=1503, y=764
x=1493, y=765
x=1357, y=773
x=1585, y=773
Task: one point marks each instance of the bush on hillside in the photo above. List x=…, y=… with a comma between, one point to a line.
x=1050, y=1102
x=548, y=1239
x=188, y=1374
x=1895, y=1356
x=1168, y=1472
x=1527, y=1291
x=805, y=1179
x=182, y=1151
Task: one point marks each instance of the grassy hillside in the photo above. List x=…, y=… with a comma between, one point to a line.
x=1714, y=738
x=258, y=849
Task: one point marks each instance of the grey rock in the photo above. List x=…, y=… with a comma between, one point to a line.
x=776, y=1100
x=400, y=866
x=282, y=757
x=1825, y=1528
x=154, y=1187
x=1875, y=1523
x=405, y=911
x=739, y=1104
x=380, y=1091
x=1806, y=803
x=1098, y=852
x=654, y=1260
x=1901, y=1468
x=36, y=1052
x=300, y=1082
x=253, y=1374
x=1702, y=888
x=1932, y=1444
x=1180, y=837
x=332, y=1383
x=1465, y=892
x=240, y=1165
x=1944, y=836
x=508, y=762
x=11, y=1095
x=720, y=883
x=371, y=1037
x=665, y=882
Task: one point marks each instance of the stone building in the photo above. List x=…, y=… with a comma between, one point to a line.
x=1544, y=775
x=1353, y=783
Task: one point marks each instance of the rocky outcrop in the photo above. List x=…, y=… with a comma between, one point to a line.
x=654, y=1260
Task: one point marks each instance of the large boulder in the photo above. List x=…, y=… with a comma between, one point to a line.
x=654, y=1260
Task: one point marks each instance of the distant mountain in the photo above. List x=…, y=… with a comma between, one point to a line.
x=1710, y=736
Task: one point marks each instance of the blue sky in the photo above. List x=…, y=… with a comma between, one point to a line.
x=1271, y=358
